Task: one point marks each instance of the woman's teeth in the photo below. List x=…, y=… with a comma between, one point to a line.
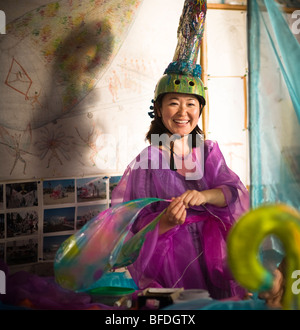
x=181, y=121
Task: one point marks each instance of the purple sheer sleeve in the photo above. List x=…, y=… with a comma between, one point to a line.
x=219, y=175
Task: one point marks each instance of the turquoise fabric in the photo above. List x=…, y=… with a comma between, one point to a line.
x=274, y=106
x=274, y=112
x=210, y=304
x=290, y=51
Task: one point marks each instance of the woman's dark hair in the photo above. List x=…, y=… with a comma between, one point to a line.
x=157, y=126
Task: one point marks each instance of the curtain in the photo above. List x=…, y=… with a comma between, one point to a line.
x=274, y=106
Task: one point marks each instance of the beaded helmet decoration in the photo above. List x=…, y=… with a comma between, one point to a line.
x=183, y=75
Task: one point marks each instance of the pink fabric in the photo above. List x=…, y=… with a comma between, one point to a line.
x=192, y=255
x=31, y=291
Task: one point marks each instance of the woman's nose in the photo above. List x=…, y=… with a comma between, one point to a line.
x=182, y=109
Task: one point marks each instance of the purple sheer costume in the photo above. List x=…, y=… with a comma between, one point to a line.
x=191, y=255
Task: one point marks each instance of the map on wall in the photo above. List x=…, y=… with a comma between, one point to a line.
x=76, y=77
x=53, y=56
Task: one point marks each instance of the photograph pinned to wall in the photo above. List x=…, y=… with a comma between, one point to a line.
x=2, y=226
x=113, y=182
x=22, y=223
x=59, y=219
x=1, y=197
x=88, y=212
x=59, y=191
x=21, y=195
x=51, y=245
x=91, y=189
x=22, y=251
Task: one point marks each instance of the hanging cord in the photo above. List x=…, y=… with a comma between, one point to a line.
x=172, y=162
x=198, y=256
x=214, y=216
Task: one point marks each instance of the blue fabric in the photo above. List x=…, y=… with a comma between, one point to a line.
x=115, y=279
x=274, y=112
x=290, y=52
x=274, y=103
x=210, y=304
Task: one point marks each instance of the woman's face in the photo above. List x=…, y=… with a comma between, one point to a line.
x=180, y=113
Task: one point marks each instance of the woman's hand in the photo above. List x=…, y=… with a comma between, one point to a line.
x=196, y=198
x=175, y=215
x=176, y=212
x=193, y=198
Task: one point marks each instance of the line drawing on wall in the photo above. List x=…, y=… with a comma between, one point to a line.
x=17, y=145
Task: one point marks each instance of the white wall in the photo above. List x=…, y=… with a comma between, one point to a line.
x=114, y=112
x=227, y=69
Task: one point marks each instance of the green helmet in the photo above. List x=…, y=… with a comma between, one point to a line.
x=180, y=83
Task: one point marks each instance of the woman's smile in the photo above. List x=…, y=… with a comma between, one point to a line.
x=181, y=122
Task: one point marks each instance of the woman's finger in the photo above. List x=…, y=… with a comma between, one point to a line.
x=187, y=197
x=174, y=207
x=175, y=212
x=181, y=215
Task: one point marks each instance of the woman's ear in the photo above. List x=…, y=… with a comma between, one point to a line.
x=158, y=110
x=201, y=109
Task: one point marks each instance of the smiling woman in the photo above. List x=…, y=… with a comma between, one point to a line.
x=187, y=248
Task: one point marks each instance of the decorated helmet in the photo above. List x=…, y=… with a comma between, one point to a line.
x=183, y=75
x=180, y=83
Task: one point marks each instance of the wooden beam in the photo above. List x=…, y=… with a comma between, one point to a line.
x=245, y=102
x=286, y=9
x=222, y=6
x=203, y=63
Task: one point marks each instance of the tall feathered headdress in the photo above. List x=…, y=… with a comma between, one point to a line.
x=183, y=75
